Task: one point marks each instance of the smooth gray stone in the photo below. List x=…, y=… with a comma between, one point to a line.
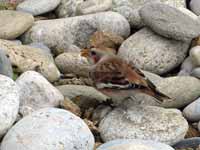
x=144, y=122
x=170, y=22
x=192, y=111
x=195, y=6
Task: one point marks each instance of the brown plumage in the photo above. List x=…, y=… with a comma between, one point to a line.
x=109, y=71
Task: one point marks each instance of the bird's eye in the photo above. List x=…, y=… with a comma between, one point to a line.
x=93, y=53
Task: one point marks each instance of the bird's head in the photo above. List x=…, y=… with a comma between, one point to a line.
x=93, y=55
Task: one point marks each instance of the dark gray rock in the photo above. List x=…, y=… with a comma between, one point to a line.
x=191, y=143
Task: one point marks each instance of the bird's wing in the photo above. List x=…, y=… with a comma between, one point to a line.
x=117, y=72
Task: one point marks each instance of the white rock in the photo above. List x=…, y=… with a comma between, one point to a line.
x=9, y=103
x=49, y=129
x=36, y=92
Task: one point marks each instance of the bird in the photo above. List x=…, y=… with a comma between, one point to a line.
x=108, y=71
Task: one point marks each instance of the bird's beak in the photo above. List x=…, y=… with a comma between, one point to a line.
x=85, y=52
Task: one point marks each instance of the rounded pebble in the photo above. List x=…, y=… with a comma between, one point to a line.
x=50, y=129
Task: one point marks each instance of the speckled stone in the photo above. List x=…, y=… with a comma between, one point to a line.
x=144, y=122
x=93, y=6
x=14, y=23
x=36, y=93
x=68, y=8
x=73, y=63
x=51, y=129
x=60, y=34
x=37, y=7
x=26, y=58
x=9, y=103
x=149, y=51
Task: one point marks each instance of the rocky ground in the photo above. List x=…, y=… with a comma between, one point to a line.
x=47, y=100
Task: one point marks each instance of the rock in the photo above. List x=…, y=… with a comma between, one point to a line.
x=133, y=145
x=191, y=143
x=196, y=72
x=26, y=58
x=199, y=126
x=192, y=111
x=183, y=90
x=9, y=103
x=67, y=104
x=60, y=34
x=173, y=24
x=176, y=4
x=144, y=122
x=195, y=6
x=36, y=93
x=151, y=52
x=195, y=55
x=38, y=7
x=132, y=15
x=5, y=65
x=188, y=12
x=50, y=129
x=187, y=66
x=100, y=112
x=14, y=23
x=73, y=49
x=43, y=47
x=84, y=96
x=68, y=8
x=72, y=63
x=130, y=9
x=106, y=40
x=93, y=6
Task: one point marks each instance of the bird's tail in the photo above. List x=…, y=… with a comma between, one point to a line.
x=160, y=97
